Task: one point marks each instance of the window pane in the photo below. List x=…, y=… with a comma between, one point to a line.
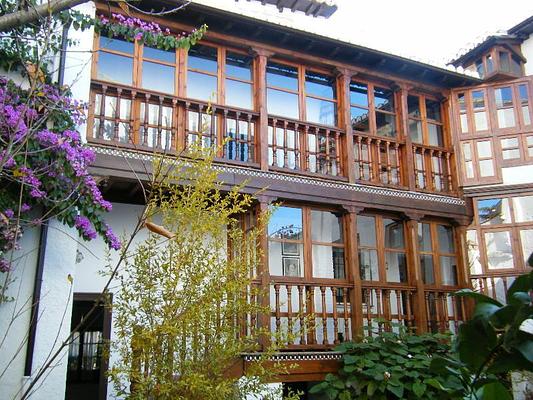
x=203, y=58
x=158, y=77
x=116, y=44
x=393, y=234
x=366, y=231
x=286, y=223
x=396, y=266
x=523, y=208
x=448, y=270
x=504, y=62
x=161, y=55
x=506, y=118
x=426, y=267
x=433, y=110
x=359, y=94
x=467, y=151
x=503, y=97
x=239, y=66
x=435, y=135
x=320, y=111
x=462, y=101
x=526, y=239
x=486, y=168
x=285, y=258
x=499, y=250
x=493, y=211
x=328, y=262
x=360, y=121
x=479, y=68
x=424, y=237
x=115, y=68
x=464, y=123
x=282, y=76
x=413, y=106
x=368, y=265
x=385, y=124
x=480, y=121
x=319, y=85
x=490, y=64
x=383, y=99
x=445, y=234
x=469, y=169
x=509, y=143
x=238, y=94
x=516, y=65
x=484, y=149
x=510, y=154
x=201, y=86
x=474, y=256
x=415, y=130
x=478, y=99
x=282, y=103
x=326, y=227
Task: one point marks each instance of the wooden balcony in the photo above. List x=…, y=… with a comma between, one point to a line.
x=147, y=121
x=494, y=284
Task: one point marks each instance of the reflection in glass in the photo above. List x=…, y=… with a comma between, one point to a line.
x=366, y=231
x=499, y=250
x=424, y=237
x=523, y=208
x=445, y=235
x=526, y=239
x=239, y=66
x=415, y=131
x=320, y=111
x=385, y=124
x=383, y=99
x=448, y=270
x=480, y=121
x=201, y=86
x=360, y=119
x=319, y=85
x=394, y=238
x=426, y=267
x=368, y=265
x=396, y=267
x=484, y=149
x=435, y=135
x=282, y=76
x=158, y=77
x=413, y=106
x=433, y=110
x=282, y=103
x=524, y=101
x=506, y=117
x=286, y=223
x=359, y=94
x=493, y=211
x=116, y=45
x=505, y=62
x=326, y=227
x=238, y=94
x=486, y=168
x=474, y=256
x=203, y=58
x=328, y=262
x=160, y=55
x=115, y=68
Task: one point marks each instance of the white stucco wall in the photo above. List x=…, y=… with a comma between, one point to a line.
x=527, y=51
x=517, y=175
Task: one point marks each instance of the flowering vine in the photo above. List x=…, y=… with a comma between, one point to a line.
x=148, y=33
x=44, y=166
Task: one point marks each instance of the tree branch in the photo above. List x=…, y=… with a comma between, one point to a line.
x=23, y=17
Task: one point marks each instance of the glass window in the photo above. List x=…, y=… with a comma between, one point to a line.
x=239, y=66
x=499, y=250
x=283, y=104
x=201, y=86
x=523, y=208
x=320, y=111
x=474, y=255
x=366, y=240
x=326, y=227
x=526, y=240
x=122, y=46
x=424, y=237
x=413, y=106
x=383, y=112
x=202, y=81
x=490, y=64
x=319, y=85
x=383, y=99
x=238, y=94
x=203, y=58
x=469, y=163
x=493, y=211
x=479, y=68
x=445, y=235
x=239, y=86
x=396, y=267
x=426, y=265
x=504, y=104
x=480, y=114
x=516, y=65
x=510, y=148
x=505, y=62
x=366, y=231
x=368, y=264
x=360, y=119
x=285, y=247
x=282, y=76
x=328, y=260
x=394, y=235
x=433, y=110
x=115, y=68
x=385, y=124
x=159, y=55
x=485, y=161
x=158, y=77
x=448, y=270
x=524, y=102
x=359, y=94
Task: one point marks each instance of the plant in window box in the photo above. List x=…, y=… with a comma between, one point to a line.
x=148, y=33
x=391, y=365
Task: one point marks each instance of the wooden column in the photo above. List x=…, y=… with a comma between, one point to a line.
x=264, y=319
x=344, y=122
x=260, y=99
x=415, y=273
x=352, y=262
x=463, y=268
x=408, y=158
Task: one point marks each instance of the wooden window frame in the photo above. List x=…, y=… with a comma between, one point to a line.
x=425, y=121
x=381, y=250
x=496, y=108
x=307, y=244
x=437, y=254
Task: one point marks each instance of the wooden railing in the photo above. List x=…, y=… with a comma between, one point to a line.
x=494, y=285
x=432, y=169
x=301, y=146
x=167, y=123
x=378, y=160
x=444, y=312
x=129, y=117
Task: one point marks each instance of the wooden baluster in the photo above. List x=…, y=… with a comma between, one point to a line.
x=347, y=335
x=173, y=124
x=117, y=116
x=399, y=306
x=446, y=320
x=449, y=172
x=409, y=311
x=187, y=132
x=301, y=307
x=328, y=157
x=297, y=147
x=369, y=152
x=493, y=284
x=250, y=139
x=368, y=300
x=335, y=320
x=324, y=316
x=238, y=140
x=159, y=123
x=389, y=165
x=226, y=137
x=213, y=128
x=289, y=313
x=504, y=281
x=253, y=317
x=455, y=313
x=415, y=165
x=311, y=333
x=463, y=310
x=437, y=311
x=378, y=149
x=102, y=113
x=360, y=157
x=378, y=309
x=274, y=142
x=131, y=132
x=285, y=146
x=398, y=166
x=434, y=173
x=146, y=118
x=307, y=150
x=338, y=159
x=484, y=286
x=278, y=318
x=428, y=313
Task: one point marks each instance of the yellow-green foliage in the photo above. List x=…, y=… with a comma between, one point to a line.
x=183, y=309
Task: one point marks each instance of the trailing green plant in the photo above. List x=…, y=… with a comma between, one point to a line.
x=496, y=341
x=391, y=365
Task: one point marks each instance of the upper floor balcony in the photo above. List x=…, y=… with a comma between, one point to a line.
x=270, y=114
